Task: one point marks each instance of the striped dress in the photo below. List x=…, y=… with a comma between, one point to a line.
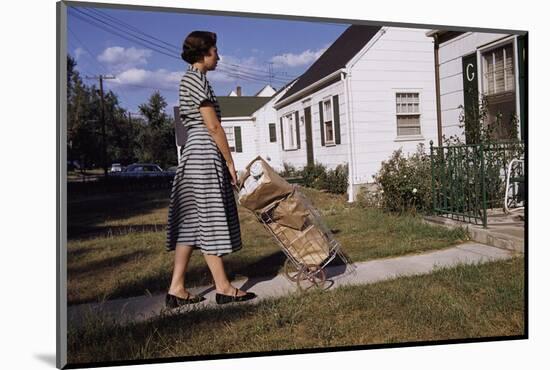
x=203, y=211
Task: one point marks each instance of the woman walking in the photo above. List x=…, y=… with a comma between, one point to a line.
x=202, y=212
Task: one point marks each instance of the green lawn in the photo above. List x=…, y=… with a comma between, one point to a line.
x=467, y=301
x=116, y=242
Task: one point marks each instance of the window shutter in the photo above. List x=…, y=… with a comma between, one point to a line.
x=272, y=133
x=282, y=136
x=238, y=141
x=321, y=123
x=336, y=118
x=297, y=129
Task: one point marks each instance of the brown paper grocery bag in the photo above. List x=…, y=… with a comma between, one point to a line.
x=273, y=188
x=291, y=212
x=308, y=247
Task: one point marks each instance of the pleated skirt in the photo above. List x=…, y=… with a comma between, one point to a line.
x=202, y=211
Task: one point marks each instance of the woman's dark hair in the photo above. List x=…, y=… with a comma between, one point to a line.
x=196, y=45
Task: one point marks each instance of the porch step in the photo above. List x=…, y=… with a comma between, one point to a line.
x=504, y=236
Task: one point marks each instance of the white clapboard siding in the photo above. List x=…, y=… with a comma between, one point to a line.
x=450, y=71
x=248, y=136
x=329, y=155
x=401, y=60
x=270, y=152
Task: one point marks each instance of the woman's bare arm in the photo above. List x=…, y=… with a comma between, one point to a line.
x=215, y=128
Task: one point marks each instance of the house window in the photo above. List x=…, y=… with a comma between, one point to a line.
x=230, y=134
x=272, y=133
x=328, y=123
x=408, y=113
x=498, y=86
x=498, y=71
x=290, y=131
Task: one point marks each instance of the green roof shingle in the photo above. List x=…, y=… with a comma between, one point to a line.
x=238, y=106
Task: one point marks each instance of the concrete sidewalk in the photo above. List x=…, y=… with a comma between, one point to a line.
x=137, y=309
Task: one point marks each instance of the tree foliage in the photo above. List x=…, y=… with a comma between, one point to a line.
x=128, y=138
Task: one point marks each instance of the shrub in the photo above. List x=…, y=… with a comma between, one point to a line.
x=369, y=198
x=314, y=176
x=405, y=182
x=318, y=177
x=289, y=170
x=337, y=179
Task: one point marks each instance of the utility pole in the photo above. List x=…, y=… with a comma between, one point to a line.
x=270, y=73
x=102, y=112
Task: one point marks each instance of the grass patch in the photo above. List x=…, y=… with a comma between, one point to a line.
x=116, y=242
x=467, y=301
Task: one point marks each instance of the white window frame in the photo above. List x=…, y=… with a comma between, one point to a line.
x=289, y=131
x=230, y=139
x=419, y=136
x=333, y=141
x=488, y=49
x=495, y=44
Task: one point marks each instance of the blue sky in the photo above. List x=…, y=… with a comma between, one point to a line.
x=247, y=46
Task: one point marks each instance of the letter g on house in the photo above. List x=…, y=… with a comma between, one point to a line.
x=470, y=74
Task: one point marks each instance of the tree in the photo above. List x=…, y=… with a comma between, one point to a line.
x=157, y=138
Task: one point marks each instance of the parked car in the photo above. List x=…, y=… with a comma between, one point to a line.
x=116, y=167
x=172, y=169
x=145, y=170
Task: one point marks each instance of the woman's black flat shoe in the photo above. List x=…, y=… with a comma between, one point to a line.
x=222, y=298
x=172, y=301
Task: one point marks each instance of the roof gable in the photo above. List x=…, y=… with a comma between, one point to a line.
x=346, y=46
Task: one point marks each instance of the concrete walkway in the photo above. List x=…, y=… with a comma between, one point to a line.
x=142, y=308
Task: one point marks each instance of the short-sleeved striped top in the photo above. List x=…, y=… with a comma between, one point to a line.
x=194, y=89
x=203, y=210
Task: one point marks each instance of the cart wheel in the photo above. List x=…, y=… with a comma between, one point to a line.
x=311, y=276
x=290, y=270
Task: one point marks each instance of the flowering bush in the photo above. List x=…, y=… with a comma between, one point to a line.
x=370, y=198
x=405, y=182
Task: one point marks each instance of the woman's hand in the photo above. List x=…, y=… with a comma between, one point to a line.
x=232, y=172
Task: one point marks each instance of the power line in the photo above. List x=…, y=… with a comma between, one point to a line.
x=122, y=30
x=147, y=44
x=102, y=68
x=175, y=48
x=87, y=50
x=120, y=35
x=97, y=11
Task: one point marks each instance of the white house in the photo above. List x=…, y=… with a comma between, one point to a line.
x=370, y=93
x=250, y=126
x=472, y=64
x=267, y=90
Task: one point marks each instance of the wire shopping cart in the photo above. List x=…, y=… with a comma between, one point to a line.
x=299, y=230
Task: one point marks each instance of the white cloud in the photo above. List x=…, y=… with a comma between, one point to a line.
x=78, y=52
x=230, y=66
x=295, y=60
x=226, y=72
x=120, y=58
x=159, y=79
